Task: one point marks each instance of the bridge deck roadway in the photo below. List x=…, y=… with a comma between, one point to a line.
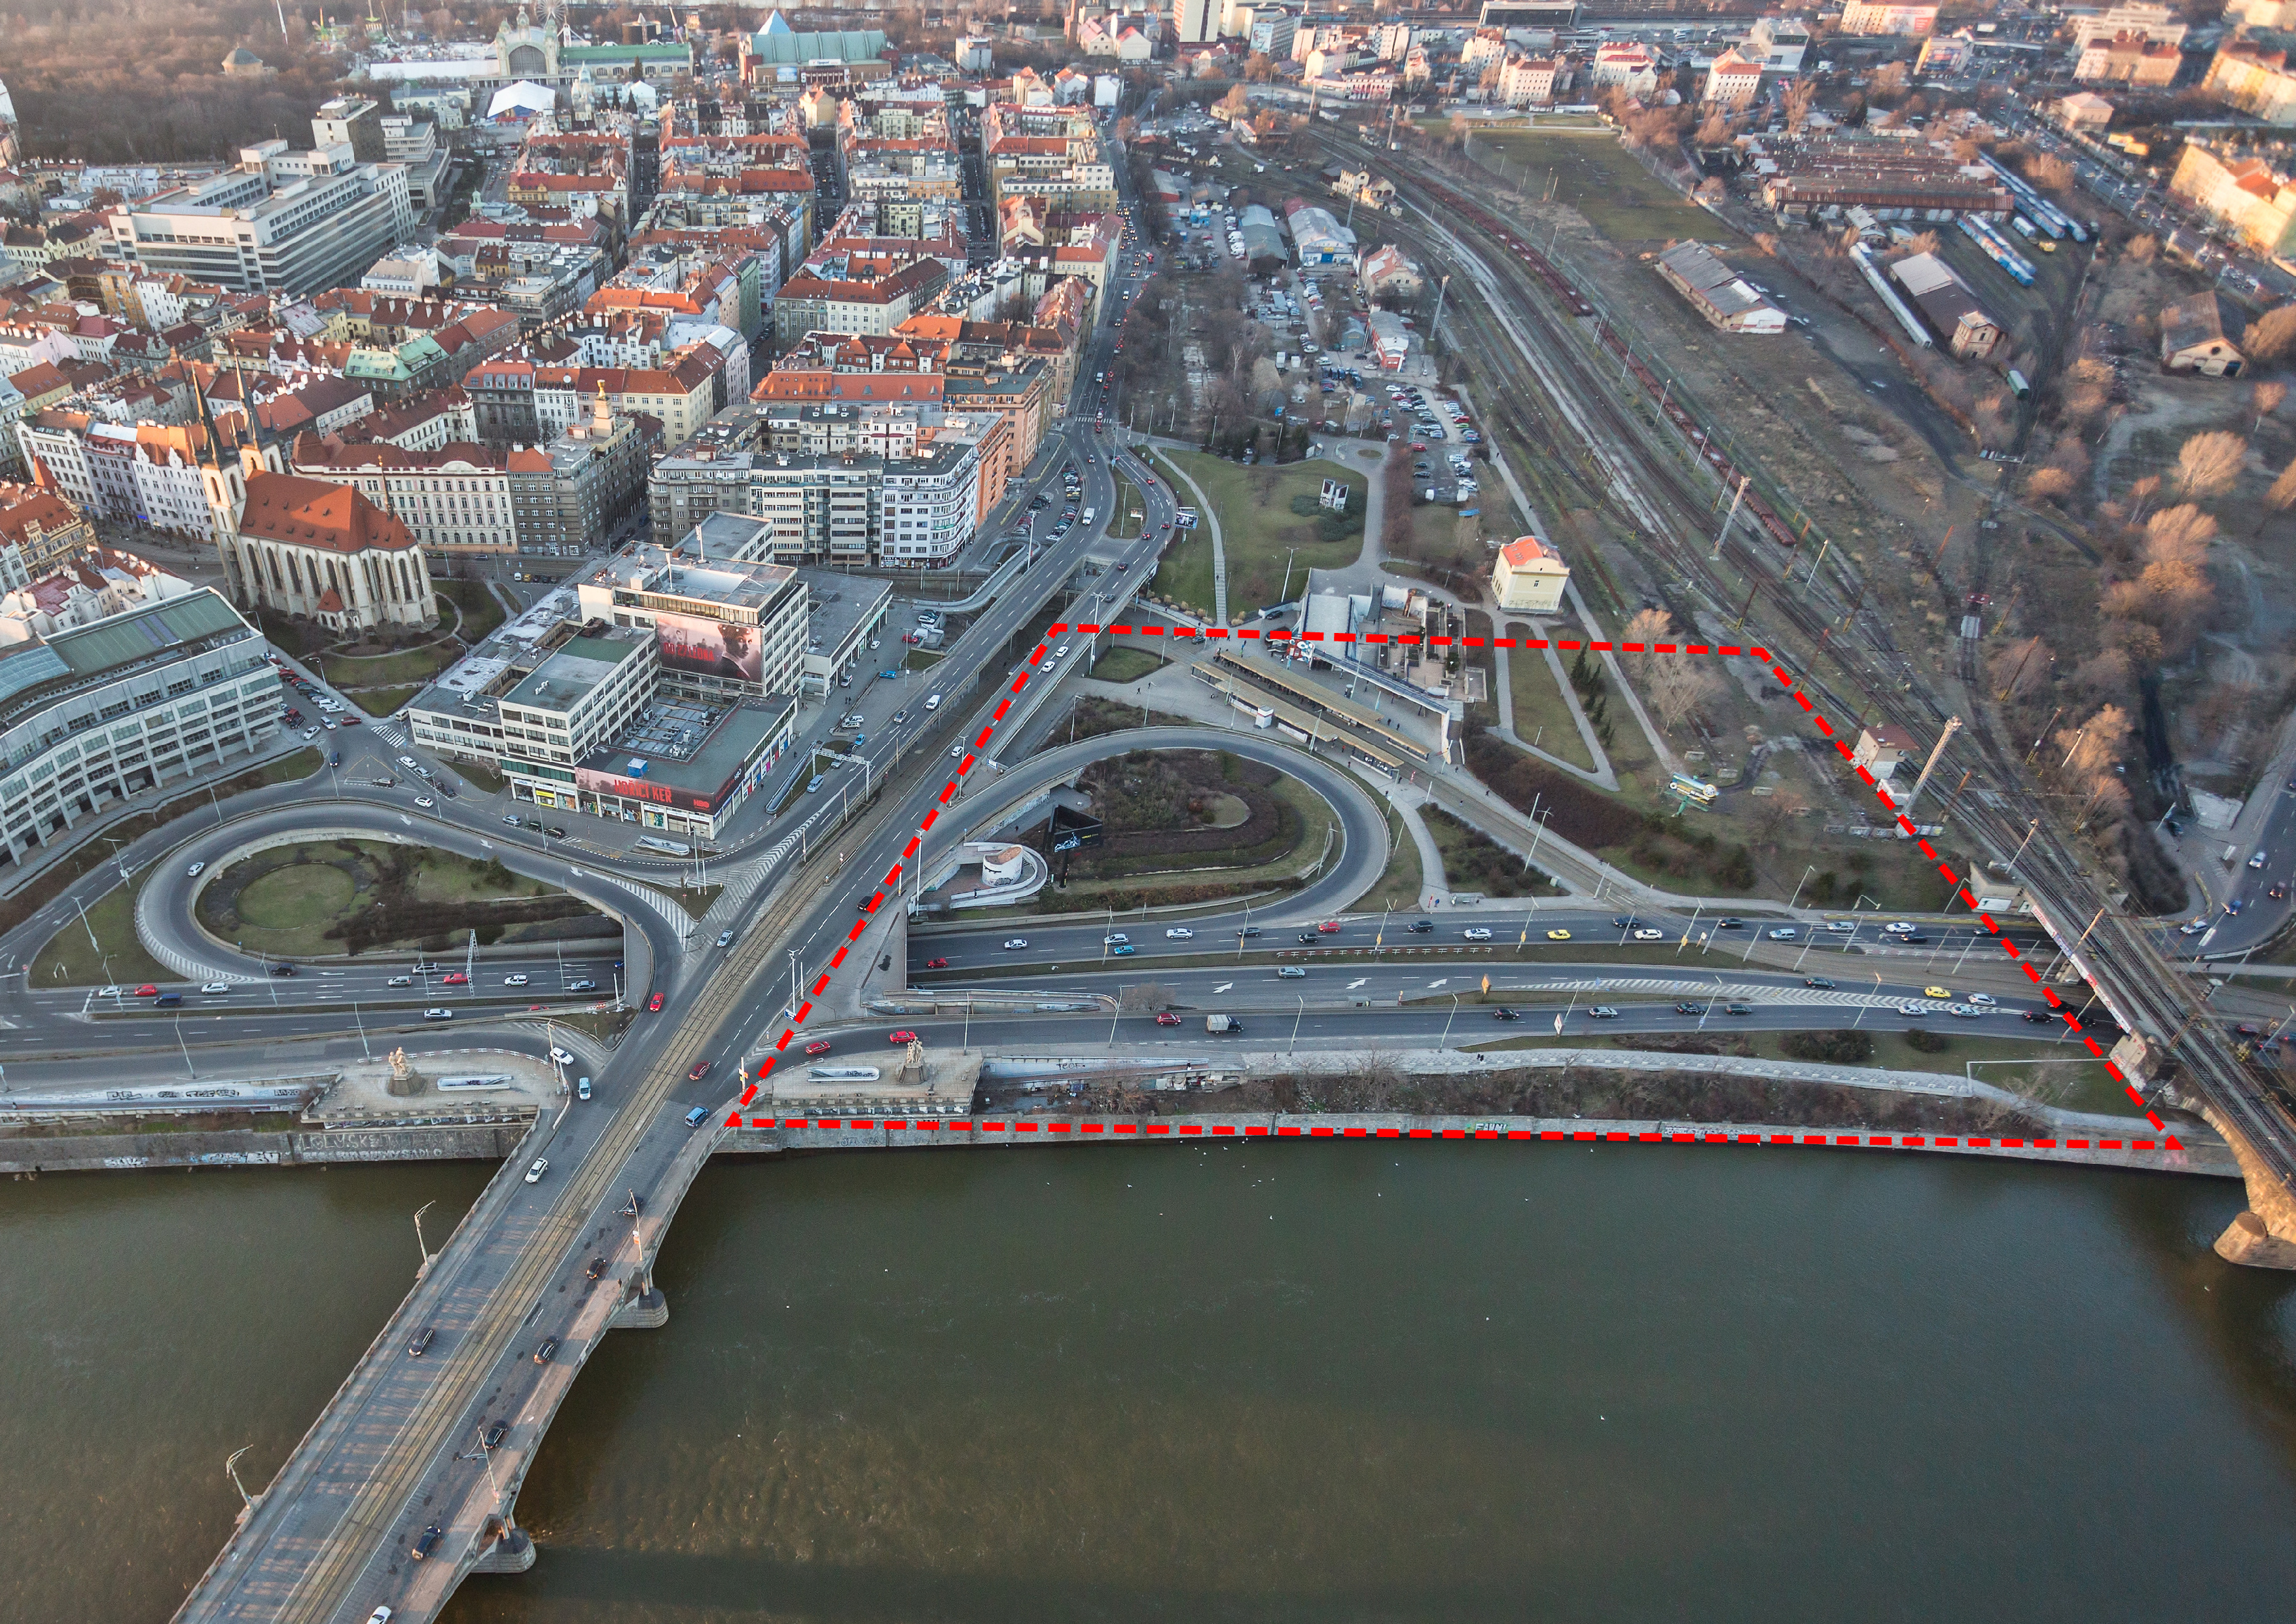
x=395, y=1450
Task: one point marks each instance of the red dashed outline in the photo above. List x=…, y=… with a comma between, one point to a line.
x=752, y=1088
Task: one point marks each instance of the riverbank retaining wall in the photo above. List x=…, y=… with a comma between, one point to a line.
x=249, y=1147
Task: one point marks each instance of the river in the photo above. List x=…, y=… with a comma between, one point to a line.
x=1329, y=1382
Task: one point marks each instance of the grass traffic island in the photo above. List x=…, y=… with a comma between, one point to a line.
x=1123, y=663
x=328, y=897
x=88, y=970
x=1270, y=525
x=381, y=702
x=1402, y=883
x=1189, y=825
x=115, y=957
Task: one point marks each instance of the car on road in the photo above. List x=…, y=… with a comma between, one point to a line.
x=819, y=1046
x=509, y=819
x=282, y=970
x=560, y=1056
x=1013, y=944
x=1505, y=1014
x=1244, y=930
x=1558, y=936
x=582, y=1089
x=1478, y=933
x=2278, y=890
x=193, y=873
x=435, y=1013
x=1737, y=1009
x=724, y=939
x=899, y=716
x=1901, y=927
x=1935, y=992
x=1420, y=927
x=1289, y=972
x=2035, y=1015
x=696, y=1117
x=701, y=1069
x=1180, y=933
x=2258, y=858
x=1727, y=924
x=1648, y=935
x=1601, y=1011
x=420, y=1343
x=1688, y=1008
x=456, y=977
x=582, y=986
x=1123, y=950
x=216, y=986
x=903, y=1035
x=427, y=1541
x=425, y=802
x=653, y=1004
x=1983, y=1000
x=1113, y=938
x=1913, y=1009
x=541, y=1165
x=1966, y=1012
x=1841, y=927
x=407, y=762
x=549, y=1345
x=1166, y=1017
x=147, y=991
x=936, y=964
x=1818, y=981
x=515, y=981
x=1783, y=933
x=381, y=1615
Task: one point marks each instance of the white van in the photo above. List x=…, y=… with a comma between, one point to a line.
x=932, y=701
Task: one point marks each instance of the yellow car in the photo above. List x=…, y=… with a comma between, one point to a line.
x=1558, y=936
x=1935, y=992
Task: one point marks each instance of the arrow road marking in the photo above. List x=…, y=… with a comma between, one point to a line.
x=1358, y=981
x=1432, y=984
x=1223, y=986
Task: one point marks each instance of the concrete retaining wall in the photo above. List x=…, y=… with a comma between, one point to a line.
x=2160, y=1153
x=245, y=1147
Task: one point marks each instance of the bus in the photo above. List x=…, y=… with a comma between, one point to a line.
x=659, y=847
x=1693, y=789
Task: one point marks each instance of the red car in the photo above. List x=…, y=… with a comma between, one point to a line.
x=904, y=1035
x=456, y=978
x=936, y=964
x=350, y=719
x=819, y=1046
x=147, y=991
x=1167, y=1018
x=701, y=1069
x=653, y=1004
x=1419, y=445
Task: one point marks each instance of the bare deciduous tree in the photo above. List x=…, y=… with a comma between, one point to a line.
x=2097, y=744
x=2270, y=335
x=2283, y=493
x=2267, y=397
x=2207, y=463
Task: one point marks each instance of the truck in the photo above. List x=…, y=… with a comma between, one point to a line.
x=1223, y=1023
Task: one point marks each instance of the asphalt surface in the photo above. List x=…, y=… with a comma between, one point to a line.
x=393, y=1452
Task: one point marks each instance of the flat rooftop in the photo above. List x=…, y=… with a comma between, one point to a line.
x=567, y=677
x=838, y=604
x=693, y=750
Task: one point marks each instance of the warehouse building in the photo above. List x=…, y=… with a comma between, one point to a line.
x=1726, y=299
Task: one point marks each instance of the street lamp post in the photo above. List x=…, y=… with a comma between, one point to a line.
x=421, y=1245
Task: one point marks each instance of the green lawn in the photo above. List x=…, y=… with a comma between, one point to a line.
x=481, y=611
x=69, y=960
x=383, y=701
x=1185, y=575
x=1401, y=882
x=1264, y=538
x=1601, y=180
x=1124, y=663
x=408, y=668
x=1542, y=715
x=284, y=901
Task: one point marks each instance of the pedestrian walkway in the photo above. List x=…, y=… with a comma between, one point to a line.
x=1603, y=776
x=1209, y=519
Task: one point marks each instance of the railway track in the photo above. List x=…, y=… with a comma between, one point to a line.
x=2146, y=993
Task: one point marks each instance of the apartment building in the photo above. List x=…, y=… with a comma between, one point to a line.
x=728, y=629
x=2253, y=75
x=2128, y=59
x=1870, y=18
x=2243, y=190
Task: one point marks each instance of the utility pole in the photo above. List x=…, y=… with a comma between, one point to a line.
x=1729, y=518
x=1951, y=726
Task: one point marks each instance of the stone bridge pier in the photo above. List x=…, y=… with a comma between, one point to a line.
x=2264, y=1236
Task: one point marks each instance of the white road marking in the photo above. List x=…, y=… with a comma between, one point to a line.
x=1432, y=984
x=1358, y=981
x=1223, y=986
